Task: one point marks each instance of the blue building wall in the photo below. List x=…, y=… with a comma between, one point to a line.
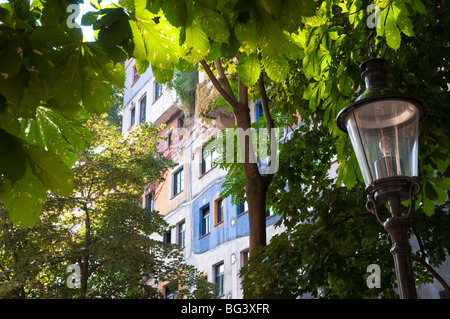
x=233, y=226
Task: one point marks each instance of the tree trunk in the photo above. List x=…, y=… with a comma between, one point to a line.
x=85, y=263
x=256, y=185
x=256, y=197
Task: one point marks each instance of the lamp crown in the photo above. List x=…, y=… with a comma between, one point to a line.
x=375, y=72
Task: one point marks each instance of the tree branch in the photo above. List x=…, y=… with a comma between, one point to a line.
x=427, y=266
x=269, y=123
x=434, y=273
x=223, y=78
x=264, y=101
x=230, y=99
x=433, y=223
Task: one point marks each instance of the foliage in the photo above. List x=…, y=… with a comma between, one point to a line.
x=101, y=227
x=114, y=114
x=414, y=41
x=331, y=239
x=185, y=85
x=307, y=53
x=51, y=82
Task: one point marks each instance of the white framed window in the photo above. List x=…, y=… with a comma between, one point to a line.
x=181, y=227
x=132, y=115
x=178, y=181
x=242, y=207
x=205, y=221
x=219, y=271
x=149, y=202
x=209, y=154
x=158, y=90
x=142, y=109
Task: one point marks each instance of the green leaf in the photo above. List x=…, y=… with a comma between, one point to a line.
x=393, y=36
x=12, y=157
x=11, y=52
x=271, y=38
x=196, y=40
x=56, y=133
x=115, y=35
x=430, y=192
x=277, y=67
x=428, y=206
x=442, y=195
x=289, y=15
x=24, y=199
x=140, y=51
x=158, y=39
x=443, y=182
x=249, y=68
x=214, y=25
x=89, y=18
x=97, y=93
x=175, y=11
x=247, y=35
x=405, y=24
x=350, y=174
x=52, y=171
x=291, y=10
x=420, y=7
x=215, y=52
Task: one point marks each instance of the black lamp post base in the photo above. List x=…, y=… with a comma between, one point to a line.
x=398, y=228
x=393, y=192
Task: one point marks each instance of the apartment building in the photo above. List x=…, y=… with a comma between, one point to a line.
x=211, y=232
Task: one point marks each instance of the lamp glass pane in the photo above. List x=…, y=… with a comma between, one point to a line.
x=384, y=135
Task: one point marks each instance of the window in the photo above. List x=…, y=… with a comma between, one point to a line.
x=168, y=237
x=205, y=224
x=181, y=121
x=142, y=110
x=178, y=181
x=136, y=75
x=132, y=116
x=158, y=90
x=242, y=207
x=245, y=254
x=149, y=202
x=208, y=157
x=218, y=278
x=218, y=211
x=169, y=139
x=181, y=234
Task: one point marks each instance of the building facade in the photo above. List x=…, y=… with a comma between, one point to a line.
x=212, y=233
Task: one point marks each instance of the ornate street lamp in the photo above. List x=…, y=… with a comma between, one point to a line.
x=383, y=126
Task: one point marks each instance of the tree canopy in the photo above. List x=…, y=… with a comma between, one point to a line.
x=101, y=229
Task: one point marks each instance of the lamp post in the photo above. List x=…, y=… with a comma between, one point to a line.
x=383, y=126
